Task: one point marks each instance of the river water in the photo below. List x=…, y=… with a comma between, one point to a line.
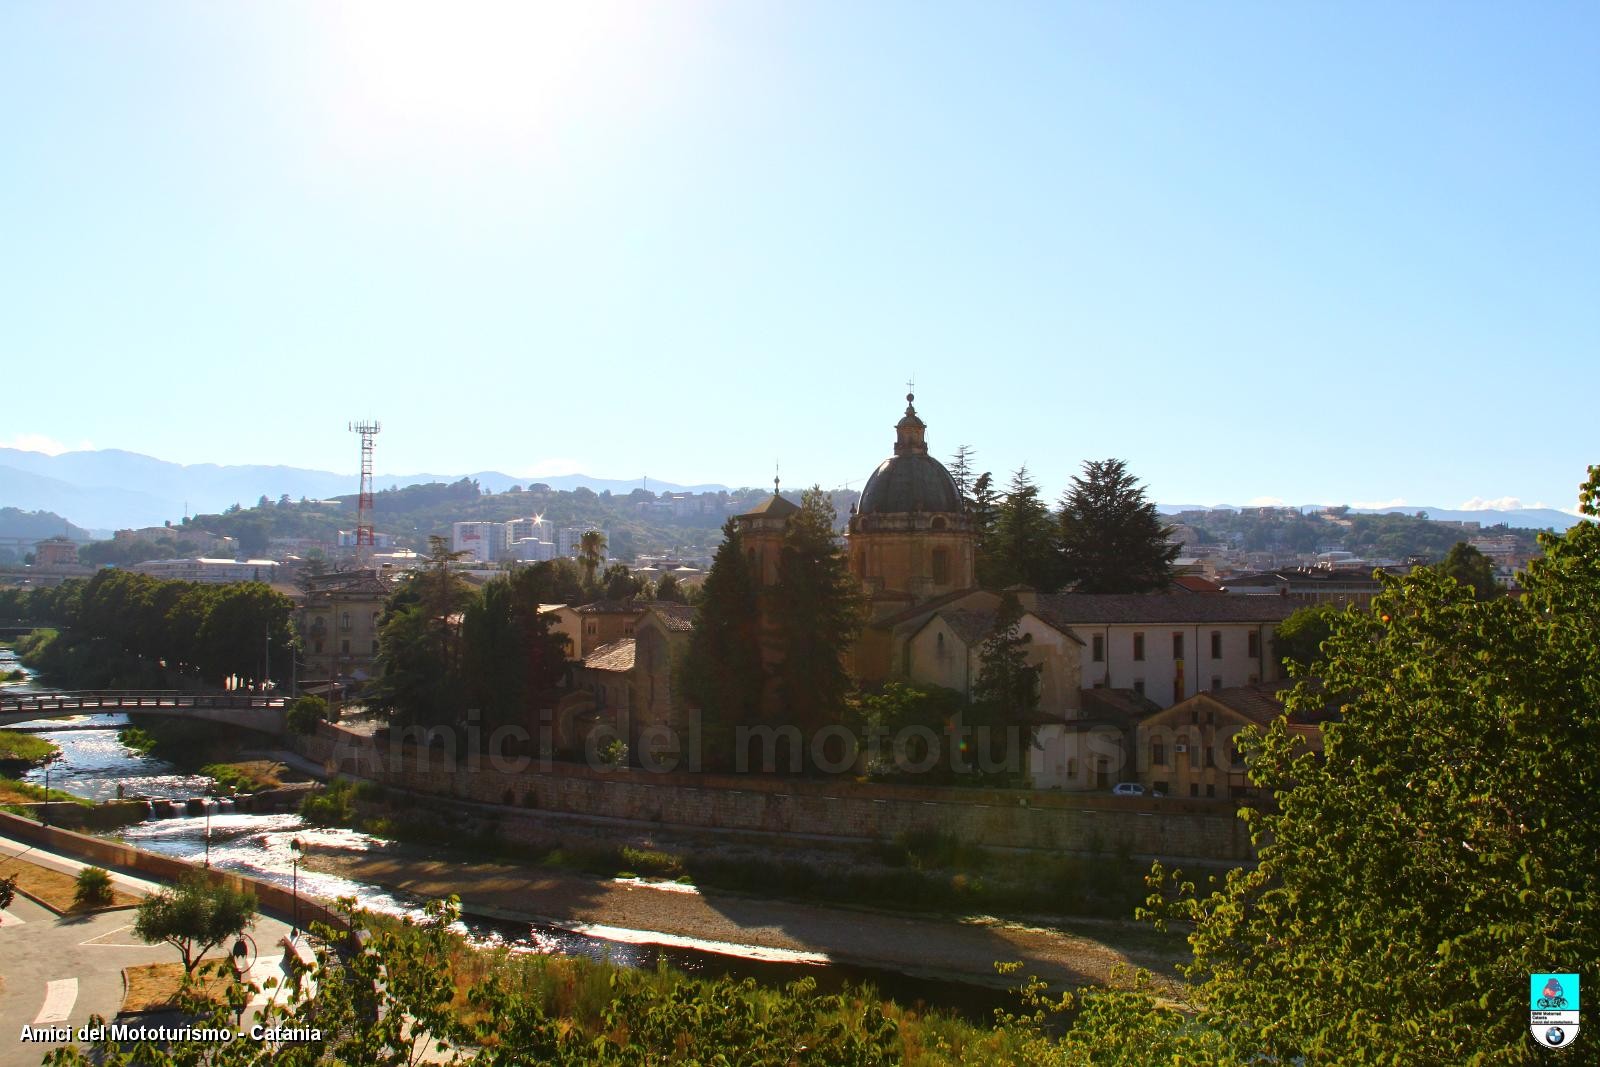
x=93, y=763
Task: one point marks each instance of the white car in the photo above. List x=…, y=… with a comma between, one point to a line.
x=1127, y=789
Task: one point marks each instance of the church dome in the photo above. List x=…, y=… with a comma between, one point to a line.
x=910, y=480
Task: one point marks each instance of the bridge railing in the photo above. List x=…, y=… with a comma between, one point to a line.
x=136, y=698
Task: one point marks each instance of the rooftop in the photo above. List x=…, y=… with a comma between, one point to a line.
x=617, y=656
x=1076, y=609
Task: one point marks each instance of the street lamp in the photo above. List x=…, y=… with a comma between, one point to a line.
x=206, y=800
x=295, y=848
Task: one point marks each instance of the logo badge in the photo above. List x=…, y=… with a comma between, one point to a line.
x=1553, y=1009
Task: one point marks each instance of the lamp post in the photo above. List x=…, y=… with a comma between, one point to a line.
x=44, y=808
x=206, y=800
x=295, y=848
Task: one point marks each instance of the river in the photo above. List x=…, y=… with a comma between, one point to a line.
x=93, y=763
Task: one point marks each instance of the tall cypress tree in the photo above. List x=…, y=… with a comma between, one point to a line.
x=1112, y=539
x=818, y=608
x=722, y=673
x=985, y=511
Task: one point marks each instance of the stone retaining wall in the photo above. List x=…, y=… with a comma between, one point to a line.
x=841, y=810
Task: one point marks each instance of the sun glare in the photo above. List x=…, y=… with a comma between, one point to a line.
x=486, y=69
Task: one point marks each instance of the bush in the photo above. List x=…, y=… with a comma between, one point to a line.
x=94, y=888
x=305, y=713
x=8, y=891
x=334, y=806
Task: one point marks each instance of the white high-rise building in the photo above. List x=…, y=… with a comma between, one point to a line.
x=483, y=542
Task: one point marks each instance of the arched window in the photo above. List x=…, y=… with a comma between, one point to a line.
x=941, y=566
x=938, y=524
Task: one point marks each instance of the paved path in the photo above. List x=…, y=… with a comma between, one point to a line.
x=59, y=970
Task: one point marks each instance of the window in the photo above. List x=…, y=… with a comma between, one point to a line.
x=1216, y=682
x=1211, y=790
x=1161, y=787
x=1211, y=756
x=1158, y=753
x=1177, y=646
x=938, y=646
x=1138, y=686
x=344, y=621
x=1216, y=644
x=344, y=647
x=1138, y=646
x=1254, y=643
x=1072, y=768
x=374, y=646
x=1194, y=789
x=941, y=565
x=318, y=646
x=938, y=524
x=1099, y=648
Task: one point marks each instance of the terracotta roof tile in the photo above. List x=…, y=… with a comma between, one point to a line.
x=1077, y=609
x=617, y=656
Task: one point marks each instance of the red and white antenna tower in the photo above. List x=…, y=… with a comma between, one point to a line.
x=364, y=539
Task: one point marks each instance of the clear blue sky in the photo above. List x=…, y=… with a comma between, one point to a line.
x=1314, y=252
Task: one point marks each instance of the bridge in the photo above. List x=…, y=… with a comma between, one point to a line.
x=244, y=710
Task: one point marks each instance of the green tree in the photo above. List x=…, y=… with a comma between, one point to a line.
x=668, y=589
x=895, y=722
x=194, y=916
x=962, y=473
x=1022, y=549
x=722, y=672
x=1112, y=539
x=591, y=553
x=1472, y=569
x=305, y=713
x=817, y=607
x=1299, y=638
x=1444, y=846
x=619, y=583
x=1005, y=697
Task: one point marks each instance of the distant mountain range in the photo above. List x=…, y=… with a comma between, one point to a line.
x=1524, y=518
x=109, y=489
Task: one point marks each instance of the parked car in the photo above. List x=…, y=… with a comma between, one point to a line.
x=1127, y=789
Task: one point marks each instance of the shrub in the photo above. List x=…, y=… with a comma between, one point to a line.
x=305, y=713
x=94, y=888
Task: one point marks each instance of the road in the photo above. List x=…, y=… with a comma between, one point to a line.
x=58, y=970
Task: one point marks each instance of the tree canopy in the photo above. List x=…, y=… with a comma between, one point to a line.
x=194, y=916
x=1441, y=849
x=1112, y=539
x=1472, y=569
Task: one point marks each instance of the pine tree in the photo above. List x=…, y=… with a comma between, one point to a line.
x=985, y=511
x=1112, y=539
x=817, y=606
x=1023, y=549
x=722, y=673
x=961, y=473
x=1005, y=695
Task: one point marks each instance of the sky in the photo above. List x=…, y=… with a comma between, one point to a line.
x=1298, y=252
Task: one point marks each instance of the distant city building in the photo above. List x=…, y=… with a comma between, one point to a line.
x=209, y=571
x=55, y=552
x=481, y=541
x=531, y=550
x=347, y=539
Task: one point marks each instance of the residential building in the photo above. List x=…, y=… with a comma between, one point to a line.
x=209, y=571
x=339, y=621
x=1191, y=749
x=482, y=542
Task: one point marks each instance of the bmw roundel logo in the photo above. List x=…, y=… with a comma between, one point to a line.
x=1555, y=1036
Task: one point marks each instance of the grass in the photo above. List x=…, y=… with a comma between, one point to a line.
x=14, y=793
x=247, y=776
x=25, y=748
x=155, y=987
x=56, y=890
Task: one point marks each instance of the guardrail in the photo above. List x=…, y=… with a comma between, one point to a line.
x=82, y=700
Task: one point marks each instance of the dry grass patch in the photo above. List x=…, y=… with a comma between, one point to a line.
x=56, y=890
x=155, y=986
